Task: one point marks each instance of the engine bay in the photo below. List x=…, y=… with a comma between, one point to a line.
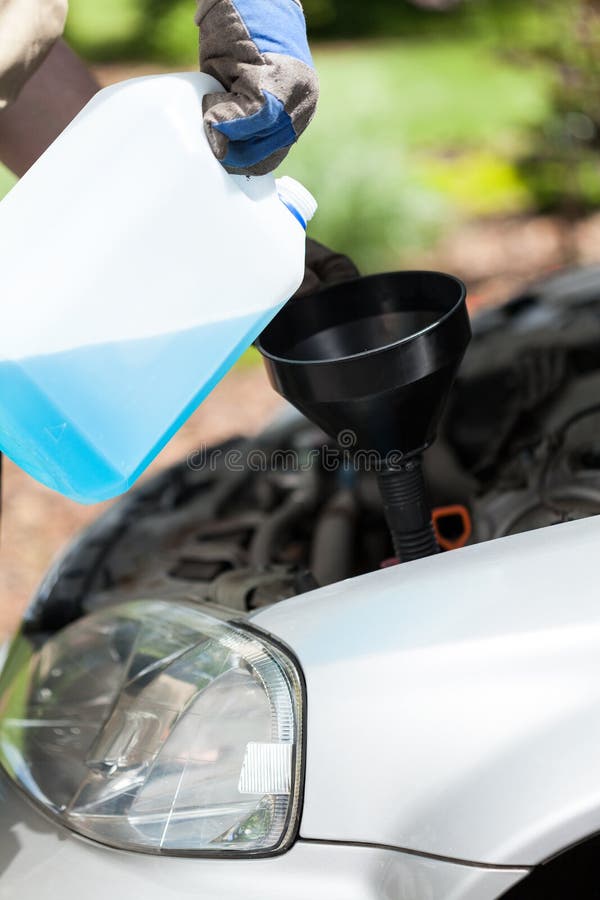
x=259, y=520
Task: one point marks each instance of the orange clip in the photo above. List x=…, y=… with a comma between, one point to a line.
x=455, y=540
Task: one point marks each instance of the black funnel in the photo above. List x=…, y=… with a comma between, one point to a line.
x=376, y=356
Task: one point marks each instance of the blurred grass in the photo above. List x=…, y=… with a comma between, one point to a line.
x=411, y=136
x=476, y=182
x=7, y=179
x=458, y=93
x=104, y=30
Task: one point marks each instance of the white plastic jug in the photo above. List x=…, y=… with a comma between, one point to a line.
x=134, y=271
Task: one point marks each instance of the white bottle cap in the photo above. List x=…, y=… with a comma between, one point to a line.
x=297, y=197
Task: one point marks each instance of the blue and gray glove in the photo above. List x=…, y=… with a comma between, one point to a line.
x=259, y=52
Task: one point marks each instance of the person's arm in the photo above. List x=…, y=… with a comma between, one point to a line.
x=53, y=96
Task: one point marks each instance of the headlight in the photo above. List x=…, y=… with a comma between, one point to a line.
x=154, y=726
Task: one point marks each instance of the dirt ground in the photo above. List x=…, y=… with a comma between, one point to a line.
x=495, y=257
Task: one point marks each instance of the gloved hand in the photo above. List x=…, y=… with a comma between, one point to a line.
x=258, y=50
x=323, y=267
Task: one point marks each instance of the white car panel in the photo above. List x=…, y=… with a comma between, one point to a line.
x=41, y=861
x=454, y=702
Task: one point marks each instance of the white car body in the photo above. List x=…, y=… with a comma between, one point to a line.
x=452, y=739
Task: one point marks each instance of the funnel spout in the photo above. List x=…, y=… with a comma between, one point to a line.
x=407, y=510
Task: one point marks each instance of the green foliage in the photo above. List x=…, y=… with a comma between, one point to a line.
x=409, y=134
x=477, y=182
x=7, y=179
x=164, y=30
x=107, y=30
x=174, y=37
x=157, y=30
x=372, y=206
x=561, y=165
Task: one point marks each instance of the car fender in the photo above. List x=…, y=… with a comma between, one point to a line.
x=453, y=703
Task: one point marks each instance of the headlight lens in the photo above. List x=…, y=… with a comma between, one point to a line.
x=154, y=726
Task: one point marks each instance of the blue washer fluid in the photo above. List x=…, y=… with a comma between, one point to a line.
x=135, y=270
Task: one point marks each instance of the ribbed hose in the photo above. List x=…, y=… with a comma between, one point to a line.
x=407, y=510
